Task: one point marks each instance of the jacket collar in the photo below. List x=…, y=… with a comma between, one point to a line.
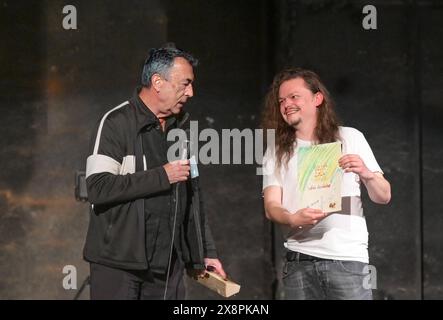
x=146, y=118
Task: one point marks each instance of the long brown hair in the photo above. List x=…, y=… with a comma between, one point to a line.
x=285, y=139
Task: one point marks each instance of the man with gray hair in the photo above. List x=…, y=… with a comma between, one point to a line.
x=147, y=221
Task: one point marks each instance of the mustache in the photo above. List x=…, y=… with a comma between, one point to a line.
x=291, y=109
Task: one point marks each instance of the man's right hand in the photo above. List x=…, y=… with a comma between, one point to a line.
x=306, y=216
x=177, y=170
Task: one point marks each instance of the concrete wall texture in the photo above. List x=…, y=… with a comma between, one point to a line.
x=55, y=83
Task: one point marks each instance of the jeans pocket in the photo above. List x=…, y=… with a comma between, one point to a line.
x=285, y=269
x=354, y=267
x=291, y=268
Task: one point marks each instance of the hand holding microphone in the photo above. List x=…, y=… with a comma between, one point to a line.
x=177, y=171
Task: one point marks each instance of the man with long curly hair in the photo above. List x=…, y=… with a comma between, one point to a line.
x=327, y=255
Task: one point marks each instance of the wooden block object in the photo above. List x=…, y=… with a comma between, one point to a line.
x=215, y=282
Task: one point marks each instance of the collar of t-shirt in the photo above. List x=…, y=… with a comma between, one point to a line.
x=303, y=143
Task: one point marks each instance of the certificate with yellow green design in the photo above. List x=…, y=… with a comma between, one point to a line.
x=319, y=177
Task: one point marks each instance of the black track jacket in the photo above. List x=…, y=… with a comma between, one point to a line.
x=129, y=227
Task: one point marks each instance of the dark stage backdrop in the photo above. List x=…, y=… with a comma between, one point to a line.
x=55, y=84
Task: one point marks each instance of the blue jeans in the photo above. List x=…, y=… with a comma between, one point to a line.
x=326, y=280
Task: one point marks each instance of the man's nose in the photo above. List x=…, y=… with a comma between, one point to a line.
x=286, y=103
x=189, y=91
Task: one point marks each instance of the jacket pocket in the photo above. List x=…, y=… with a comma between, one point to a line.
x=110, y=224
x=152, y=233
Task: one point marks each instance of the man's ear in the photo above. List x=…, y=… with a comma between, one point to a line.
x=318, y=97
x=156, y=82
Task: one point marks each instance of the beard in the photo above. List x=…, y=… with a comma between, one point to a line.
x=294, y=123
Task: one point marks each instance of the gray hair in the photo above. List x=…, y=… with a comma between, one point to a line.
x=161, y=60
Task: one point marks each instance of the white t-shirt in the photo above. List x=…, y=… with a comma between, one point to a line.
x=338, y=236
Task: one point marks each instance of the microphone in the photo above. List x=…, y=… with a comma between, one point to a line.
x=185, y=146
x=186, y=154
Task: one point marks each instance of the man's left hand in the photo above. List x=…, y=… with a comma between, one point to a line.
x=353, y=163
x=216, y=266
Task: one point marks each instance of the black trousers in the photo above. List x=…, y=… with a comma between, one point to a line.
x=108, y=283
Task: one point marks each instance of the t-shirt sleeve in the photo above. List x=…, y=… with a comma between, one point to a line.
x=365, y=152
x=270, y=174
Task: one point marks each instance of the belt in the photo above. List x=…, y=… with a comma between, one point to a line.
x=297, y=256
